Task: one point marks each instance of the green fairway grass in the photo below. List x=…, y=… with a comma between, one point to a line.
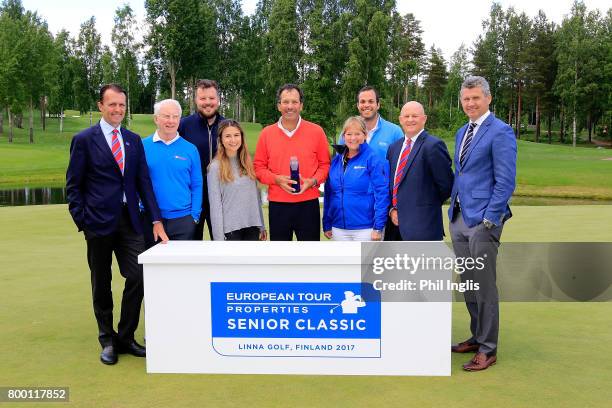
x=550, y=174
x=551, y=354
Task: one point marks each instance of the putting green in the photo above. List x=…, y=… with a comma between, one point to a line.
x=551, y=354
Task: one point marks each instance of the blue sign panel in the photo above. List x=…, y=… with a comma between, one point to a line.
x=251, y=316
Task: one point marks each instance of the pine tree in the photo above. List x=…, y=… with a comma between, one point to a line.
x=368, y=50
x=436, y=77
x=516, y=56
x=283, y=54
x=327, y=50
x=541, y=69
x=487, y=56
x=406, y=58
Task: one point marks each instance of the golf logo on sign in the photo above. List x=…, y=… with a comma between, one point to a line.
x=350, y=304
x=283, y=319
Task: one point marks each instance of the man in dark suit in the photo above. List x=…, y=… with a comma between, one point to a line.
x=106, y=176
x=420, y=180
x=485, y=172
x=200, y=129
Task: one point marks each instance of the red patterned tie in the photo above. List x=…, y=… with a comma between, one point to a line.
x=116, y=149
x=400, y=168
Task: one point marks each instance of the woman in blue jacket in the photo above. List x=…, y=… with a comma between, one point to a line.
x=357, y=189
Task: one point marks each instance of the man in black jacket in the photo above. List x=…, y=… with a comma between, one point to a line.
x=107, y=175
x=200, y=129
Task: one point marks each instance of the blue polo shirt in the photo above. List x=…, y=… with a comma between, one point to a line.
x=176, y=175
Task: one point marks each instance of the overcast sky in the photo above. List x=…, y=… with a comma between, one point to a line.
x=446, y=24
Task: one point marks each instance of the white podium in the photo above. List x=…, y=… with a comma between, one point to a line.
x=282, y=308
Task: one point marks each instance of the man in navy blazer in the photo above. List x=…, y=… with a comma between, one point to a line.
x=419, y=183
x=485, y=172
x=106, y=176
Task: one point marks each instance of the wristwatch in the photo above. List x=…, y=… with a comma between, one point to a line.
x=488, y=224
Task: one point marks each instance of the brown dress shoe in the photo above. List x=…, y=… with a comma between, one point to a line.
x=465, y=347
x=480, y=362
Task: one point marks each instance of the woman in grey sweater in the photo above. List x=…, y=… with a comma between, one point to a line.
x=235, y=203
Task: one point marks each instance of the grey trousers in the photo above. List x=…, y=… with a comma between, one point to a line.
x=482, y=304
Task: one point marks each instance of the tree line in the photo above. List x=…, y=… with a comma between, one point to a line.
x=541, y=74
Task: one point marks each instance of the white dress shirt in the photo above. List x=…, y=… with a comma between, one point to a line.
x=107, y=130
x=477, y=122
x=374, y=129
x=404, y=145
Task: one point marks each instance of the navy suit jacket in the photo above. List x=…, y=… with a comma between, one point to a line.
x=426, y=183
x=95, y=185
x=487, y=178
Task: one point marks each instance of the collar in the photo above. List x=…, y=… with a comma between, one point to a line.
x=371, y=132
x=481, y=119
x=375, y=128
x=156, y=138
x=107, y=128
x=413, y=138
x=289, y=132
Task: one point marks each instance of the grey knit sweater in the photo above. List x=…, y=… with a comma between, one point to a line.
x=234, y=205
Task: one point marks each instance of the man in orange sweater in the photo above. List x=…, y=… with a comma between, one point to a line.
x=292, y=211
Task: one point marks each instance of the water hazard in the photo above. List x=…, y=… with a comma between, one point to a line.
x=32, y=196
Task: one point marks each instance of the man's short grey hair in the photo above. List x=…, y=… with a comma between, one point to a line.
x=475, y=82
x=159, y=104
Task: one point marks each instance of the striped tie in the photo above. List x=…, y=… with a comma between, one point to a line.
x=116, y=149
x=400, y=168
x=468, y=141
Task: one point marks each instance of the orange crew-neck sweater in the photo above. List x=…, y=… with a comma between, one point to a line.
x=274, y=148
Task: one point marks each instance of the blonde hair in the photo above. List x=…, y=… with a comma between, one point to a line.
x=355, y=120
x=245, y=164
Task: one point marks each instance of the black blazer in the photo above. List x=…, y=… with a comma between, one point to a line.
x=95, y=185
x=427, y=180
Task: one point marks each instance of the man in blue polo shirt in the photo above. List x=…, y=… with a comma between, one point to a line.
x=381, y=133
x=176, y=174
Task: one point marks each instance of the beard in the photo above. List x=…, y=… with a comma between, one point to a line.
x=208, y=116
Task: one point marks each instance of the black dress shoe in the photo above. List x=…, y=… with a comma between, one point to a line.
x=132, y=348
x=108, y=355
